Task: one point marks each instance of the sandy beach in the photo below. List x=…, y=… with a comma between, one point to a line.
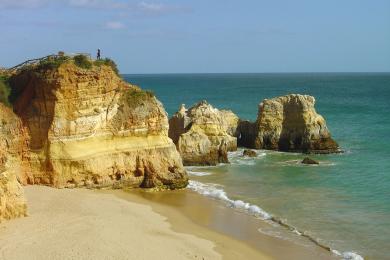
x=136, y=224
x=235, y=234
x=90, y=224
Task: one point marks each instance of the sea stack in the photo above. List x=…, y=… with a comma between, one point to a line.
x=14, y=164
x=203, y=134
x=90, y=128
x=289, y=123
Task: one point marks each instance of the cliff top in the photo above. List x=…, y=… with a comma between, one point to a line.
x=55, y=61
x=13, y=81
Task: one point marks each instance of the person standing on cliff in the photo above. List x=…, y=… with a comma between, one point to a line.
x=98, y=54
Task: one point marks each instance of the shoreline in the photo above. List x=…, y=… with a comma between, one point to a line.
x=138, y=224
x=190, y=212
x=228, y=247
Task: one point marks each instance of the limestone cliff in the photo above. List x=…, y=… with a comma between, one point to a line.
x=90, y=128
x=290, y=123
x=203, y=134
x=14, y=164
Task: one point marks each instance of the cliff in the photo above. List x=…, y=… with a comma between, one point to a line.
x=203, y=134
x=14, y=164
x=288, y=123
x=90, y=128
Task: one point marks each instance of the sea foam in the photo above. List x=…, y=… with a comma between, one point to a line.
x=348, y=255
x=216, y=192
x=198, y=173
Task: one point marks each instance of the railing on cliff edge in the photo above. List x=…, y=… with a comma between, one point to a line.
x=38, y=60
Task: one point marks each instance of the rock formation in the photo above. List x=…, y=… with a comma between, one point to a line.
x=203, y=134
x=249, y=153
x=308, y=160
x=289, y=123
x=14, y=164
x=246, y=133
x=90, y=128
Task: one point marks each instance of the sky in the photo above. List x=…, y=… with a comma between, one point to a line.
x=203, y=36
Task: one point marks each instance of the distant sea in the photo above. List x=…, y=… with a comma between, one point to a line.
x=345, y=201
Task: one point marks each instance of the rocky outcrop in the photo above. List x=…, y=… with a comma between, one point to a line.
x=308, y=160
x=14, y=164
x=289, y=123
x=230, y=122
x=249, y=153
x=90, y=128
x=203, y=134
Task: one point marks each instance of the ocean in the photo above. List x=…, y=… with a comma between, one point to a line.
x=344, y=202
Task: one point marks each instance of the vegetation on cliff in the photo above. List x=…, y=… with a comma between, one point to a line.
x=10, y=88
x=49, y=63
x=135, y=97
x=108, y=62
x=80, y=60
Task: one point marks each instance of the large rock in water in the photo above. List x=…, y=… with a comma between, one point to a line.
x=203, y=134
x=89, y=127
x=14, y=164
x=291, y=123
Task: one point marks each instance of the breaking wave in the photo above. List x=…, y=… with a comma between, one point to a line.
x=215, y=191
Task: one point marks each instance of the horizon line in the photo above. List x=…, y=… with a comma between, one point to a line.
x=307, y=72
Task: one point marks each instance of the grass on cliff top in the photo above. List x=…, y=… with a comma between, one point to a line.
x=81, y=61
x=84, y=62
x=5, y=90
x=52, y=62
x=8, y=94
x=136, y=97
x=107, y=62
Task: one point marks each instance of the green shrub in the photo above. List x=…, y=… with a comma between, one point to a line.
x=82, y=61
x=52, y=62
x=5, y=91
x=136, y=97
x=108, y=62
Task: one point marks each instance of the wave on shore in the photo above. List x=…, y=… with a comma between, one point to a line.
x=216, y=191
x=197, y=173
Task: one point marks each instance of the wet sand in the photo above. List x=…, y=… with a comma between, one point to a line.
x=234, y=233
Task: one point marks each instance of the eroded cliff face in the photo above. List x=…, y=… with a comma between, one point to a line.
x=90, y=128
x=203, y=134
x=14, y=164
x=291, y=123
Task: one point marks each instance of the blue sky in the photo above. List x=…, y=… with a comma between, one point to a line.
x=203, y=36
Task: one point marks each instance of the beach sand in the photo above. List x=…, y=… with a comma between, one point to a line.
x=235, y=234
x=136, y=224
x=92, y=224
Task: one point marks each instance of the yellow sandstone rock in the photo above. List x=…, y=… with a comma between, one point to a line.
x=203, y=134
x=288, y=123
x=14, y=164
x=90, y=128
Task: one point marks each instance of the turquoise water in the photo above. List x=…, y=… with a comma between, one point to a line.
x=344, y=202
